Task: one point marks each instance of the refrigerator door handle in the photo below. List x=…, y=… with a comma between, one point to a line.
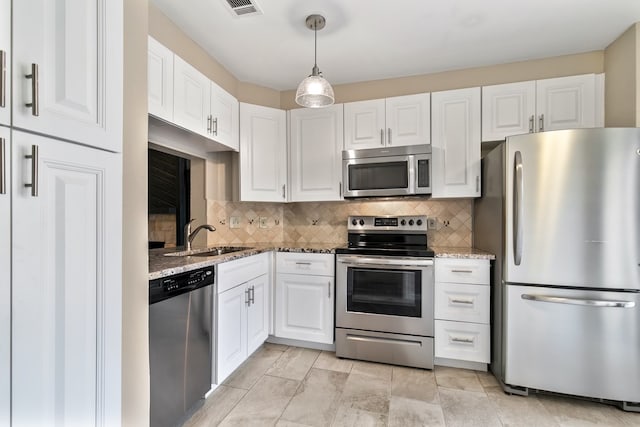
x=579, y=301
x=517, y=208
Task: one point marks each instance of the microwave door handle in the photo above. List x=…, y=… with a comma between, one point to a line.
x=413, y=176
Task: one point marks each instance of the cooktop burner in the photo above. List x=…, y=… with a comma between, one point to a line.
x=387, y=236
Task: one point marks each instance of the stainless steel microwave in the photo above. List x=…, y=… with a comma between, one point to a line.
x=393, y=171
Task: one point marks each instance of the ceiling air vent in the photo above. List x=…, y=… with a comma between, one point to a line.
x=243, y=7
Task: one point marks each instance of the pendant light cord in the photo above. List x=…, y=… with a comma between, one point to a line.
x=315, y=40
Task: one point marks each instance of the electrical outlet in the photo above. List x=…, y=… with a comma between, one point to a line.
x=432, y=223
x=263, y=222
x=234, y=222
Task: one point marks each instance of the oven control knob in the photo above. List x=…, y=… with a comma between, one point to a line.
x=403, y=222
x=419, y=222
x=410, y=222
x=354, y=222
x=361, y=222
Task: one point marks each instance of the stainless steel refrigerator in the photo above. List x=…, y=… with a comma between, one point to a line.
x=561, y=211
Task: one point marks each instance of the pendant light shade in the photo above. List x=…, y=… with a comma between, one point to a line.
x=314, y=91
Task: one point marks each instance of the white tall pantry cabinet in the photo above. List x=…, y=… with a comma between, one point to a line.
x=60, y=214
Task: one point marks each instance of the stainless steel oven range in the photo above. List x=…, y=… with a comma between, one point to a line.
x=384, y=291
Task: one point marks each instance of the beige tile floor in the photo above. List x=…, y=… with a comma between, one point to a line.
x=296, y=387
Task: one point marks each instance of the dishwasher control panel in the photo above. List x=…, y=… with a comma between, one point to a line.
x=167, y=287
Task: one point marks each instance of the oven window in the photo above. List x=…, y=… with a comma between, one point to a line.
x=378, y=176
x=392, y=292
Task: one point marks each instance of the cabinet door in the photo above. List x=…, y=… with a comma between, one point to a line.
x=263, y=156
x=160, y=80
x=258, y=312
x=5, y=276
x=191, y=98
x=66, y=293
x=408, y=119
x=5, y=62
x=364, y=124
x=316, y=154
x=77, y=47
x=508, y=109
x=232, y=331
x=566, y=102
x=225, y=117
x=304, y=307
x=456, y=143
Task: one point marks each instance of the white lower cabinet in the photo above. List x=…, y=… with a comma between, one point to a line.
x=461, y=309
x=305, y=297
x=242, y=314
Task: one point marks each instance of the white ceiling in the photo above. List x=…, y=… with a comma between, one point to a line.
x=376, y=39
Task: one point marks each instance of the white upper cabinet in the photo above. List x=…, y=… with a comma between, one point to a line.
x=224, y=119
x=537, y=106
x=263, y=154
x=316, y=153
x=160, y=80
x=508, y=109
x=5, y=62
x=408, y=120
x=566, y=102
x=401, y=120
x=364, y=124
x=72, y=53
x=456, y=143
x=191, y=98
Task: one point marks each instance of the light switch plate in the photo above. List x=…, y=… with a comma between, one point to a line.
x=234, y=222
x=263, y=222
x=432, y=223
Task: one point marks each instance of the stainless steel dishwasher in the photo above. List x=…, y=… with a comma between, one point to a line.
x=180, y=316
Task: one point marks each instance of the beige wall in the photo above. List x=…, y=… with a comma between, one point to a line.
x=621, y=82
x=592, y=62
x=135, y=271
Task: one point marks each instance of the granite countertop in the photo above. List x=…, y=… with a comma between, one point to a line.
x=462, y=253
x=163, y=266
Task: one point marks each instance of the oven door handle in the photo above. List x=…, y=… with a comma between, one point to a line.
x=401, y=262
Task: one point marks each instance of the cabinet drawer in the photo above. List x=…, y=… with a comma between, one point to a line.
x=453, y=270
x=305, y=263
x=461, y=302
x=462, y=341
x=233, y=273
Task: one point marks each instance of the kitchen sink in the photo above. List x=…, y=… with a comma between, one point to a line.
x=220, y=250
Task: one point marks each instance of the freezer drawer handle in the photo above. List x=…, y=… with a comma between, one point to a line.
x=579, y=301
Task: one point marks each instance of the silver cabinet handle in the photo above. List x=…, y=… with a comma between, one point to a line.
x=34, y=170
x=209, y=123
x=462, y=271
x=579, y=301
x=531, y=119
x=284, y=193
x=541, y=123
x=389, y=136
x=302, y=263
x=252, y=294
x=215, y=126
x=247, y=299
x=340, y=190
x=460, y=301
x=381, y=136
x=328, y=289
x=477, y=183
x=462, y=340
x=517, y=208
x=3, y=78
x=35, y=101
x=3, y=169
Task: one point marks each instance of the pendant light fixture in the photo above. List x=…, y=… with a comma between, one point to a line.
x=315, y=91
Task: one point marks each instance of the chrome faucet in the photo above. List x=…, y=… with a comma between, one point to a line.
x=189, y=236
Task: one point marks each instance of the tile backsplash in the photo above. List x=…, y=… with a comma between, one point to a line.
x=326, y=222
